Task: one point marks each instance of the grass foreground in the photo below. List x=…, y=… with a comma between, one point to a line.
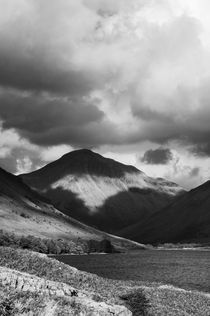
x=33, y=284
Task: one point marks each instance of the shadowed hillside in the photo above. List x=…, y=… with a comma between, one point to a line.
x=24, y=212
x=186, y=220
x=99, y=191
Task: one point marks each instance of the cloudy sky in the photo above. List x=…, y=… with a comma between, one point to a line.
x=129, y=79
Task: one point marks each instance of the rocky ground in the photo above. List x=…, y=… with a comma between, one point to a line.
x=32, y=284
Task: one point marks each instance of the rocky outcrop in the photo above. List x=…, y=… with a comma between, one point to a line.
x=77, y=302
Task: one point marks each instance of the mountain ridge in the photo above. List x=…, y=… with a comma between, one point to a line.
x=100, y=191
x=187, y=220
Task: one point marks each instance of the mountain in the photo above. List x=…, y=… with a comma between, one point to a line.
x=24, y=212
x=186, y=220
x=101, y=192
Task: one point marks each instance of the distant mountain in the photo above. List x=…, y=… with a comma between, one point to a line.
x=25, y=212
x=101, y=192
x=185, y=220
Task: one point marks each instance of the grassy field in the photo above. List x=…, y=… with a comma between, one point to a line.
x=142, y=298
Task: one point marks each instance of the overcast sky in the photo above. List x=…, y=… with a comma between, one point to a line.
x=129, y=79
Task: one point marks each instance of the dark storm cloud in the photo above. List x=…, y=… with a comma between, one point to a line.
x=40, y=76
x=40, y=113
x=157, y=156
x=194, y=172
x=90, y=135
x=36, y=68
x=202, y=150
x=57, y=55
x=50, y=120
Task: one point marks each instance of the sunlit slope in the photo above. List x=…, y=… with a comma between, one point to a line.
x=101, y=192
x=186, y=220
x=24, y=212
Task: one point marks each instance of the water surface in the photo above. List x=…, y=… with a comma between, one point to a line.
x=183, y=268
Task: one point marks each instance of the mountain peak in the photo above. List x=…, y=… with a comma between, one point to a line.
x=84, y=151
x=85, y=161
x=100, y=191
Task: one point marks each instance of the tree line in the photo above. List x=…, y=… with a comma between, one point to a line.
x=55, y=246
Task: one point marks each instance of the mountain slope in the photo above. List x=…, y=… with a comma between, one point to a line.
x=101, y=192
x=185, y=220
x=24, y=212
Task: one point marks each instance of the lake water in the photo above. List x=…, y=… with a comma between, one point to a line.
x=186, y=269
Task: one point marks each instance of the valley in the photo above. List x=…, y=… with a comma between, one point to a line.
x=84, y=204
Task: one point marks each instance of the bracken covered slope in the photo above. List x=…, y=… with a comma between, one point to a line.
x=185, y=220
x=24, y=212
x=101, y=192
